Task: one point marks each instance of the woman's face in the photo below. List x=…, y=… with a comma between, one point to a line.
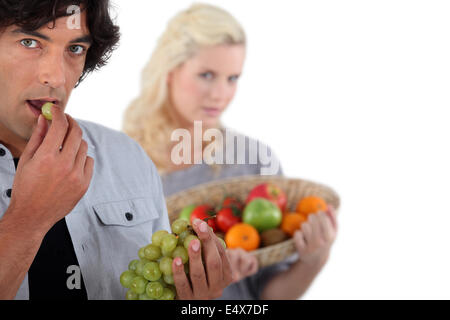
x=203, y=87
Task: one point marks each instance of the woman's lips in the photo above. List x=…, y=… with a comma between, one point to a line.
x=212, y=112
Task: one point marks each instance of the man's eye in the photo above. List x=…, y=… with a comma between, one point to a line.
x=29, y=43
x=77, y=49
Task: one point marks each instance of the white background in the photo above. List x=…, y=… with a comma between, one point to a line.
x=352, y=94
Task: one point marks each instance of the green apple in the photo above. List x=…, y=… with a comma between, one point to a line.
x=262, y=214
x=185, y=213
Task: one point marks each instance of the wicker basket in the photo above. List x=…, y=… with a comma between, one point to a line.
x=213, y=193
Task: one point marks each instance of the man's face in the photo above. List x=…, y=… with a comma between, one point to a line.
x=37, y=67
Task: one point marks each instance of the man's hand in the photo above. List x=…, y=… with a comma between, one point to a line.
x=53, y=173
x=243, y=263
x=316, y=236
x=209, y=280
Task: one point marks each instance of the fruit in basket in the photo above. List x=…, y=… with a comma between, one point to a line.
x=230, y=202
x=150, y=277
x=311, y=204
x=262, y=214
x=186, y=212
x=228, y=217
x=243, y=236
x=273, y=236
x=205, y=213
x=292, y=222
x=270, y=192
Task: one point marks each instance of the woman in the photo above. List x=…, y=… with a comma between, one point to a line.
x=190, y=80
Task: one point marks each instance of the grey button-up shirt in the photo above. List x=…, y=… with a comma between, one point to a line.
x=105, y=239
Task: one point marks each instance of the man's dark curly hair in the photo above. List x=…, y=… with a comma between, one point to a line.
x=33, y=14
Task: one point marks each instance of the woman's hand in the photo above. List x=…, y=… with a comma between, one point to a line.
x=316, y=236
x=243, y=263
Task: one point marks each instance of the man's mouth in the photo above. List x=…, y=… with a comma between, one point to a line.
x=36, y=105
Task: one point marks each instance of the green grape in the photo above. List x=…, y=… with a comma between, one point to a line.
x=179, y=226
x=132, y=265
x=188, y=240
x=47, y=111
x=161, y=280
x=140, y=266
x=152, y=252
x=144, y=296
x=154, y=290
x=141, y=253
x=183, y=236
x=131, y=295
x=169, y=243
x=138, y=285
x=168, y=294
x=151, y=271
x=165, y=265
x=126, y=278
x=166, y=253
x=182, y=253
x=158, y=236
x=168, y=278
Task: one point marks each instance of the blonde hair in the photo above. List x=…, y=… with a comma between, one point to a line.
x=147, y=120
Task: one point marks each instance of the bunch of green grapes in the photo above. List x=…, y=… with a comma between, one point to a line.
x=150, y=277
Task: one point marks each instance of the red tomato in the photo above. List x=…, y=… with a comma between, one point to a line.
x=232, y=203
x=204, y=212
x=228, y=217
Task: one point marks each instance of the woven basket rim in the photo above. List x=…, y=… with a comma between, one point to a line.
x=248, y=178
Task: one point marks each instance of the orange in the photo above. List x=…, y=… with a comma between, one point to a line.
x=291, y=222
x=242, y=235
x=310, y=205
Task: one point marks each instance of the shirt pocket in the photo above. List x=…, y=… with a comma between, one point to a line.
x=126, y=213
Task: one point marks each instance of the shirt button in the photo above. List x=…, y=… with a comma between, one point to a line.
x=129, y=216
x=8, y=193
x=2, y=152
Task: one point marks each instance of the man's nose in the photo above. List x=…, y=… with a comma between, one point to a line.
x=52, y=70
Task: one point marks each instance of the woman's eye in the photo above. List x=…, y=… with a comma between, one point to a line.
x=207, y=75
x=29, y=43
x=77, y=49
x=234, y=79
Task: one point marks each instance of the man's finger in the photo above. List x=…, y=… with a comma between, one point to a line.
x=226, y=264
x=35, y=141
x=184, y=291
x=197, y=270
x=57, y=131
x=72, y=141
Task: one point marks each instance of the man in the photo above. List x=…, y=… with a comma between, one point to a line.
x=77, y=199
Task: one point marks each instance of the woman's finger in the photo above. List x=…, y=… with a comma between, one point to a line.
x=327, y=228
x=316, y=236
x=307, y=232
x=300, y=242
